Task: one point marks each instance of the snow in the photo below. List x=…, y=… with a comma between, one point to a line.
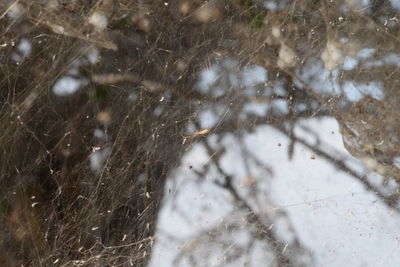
x=67, y=86
x=323, y=81
x=98, y=158
x=356, y=91
x=253, y=75
x=365, y=53
x=395, y=4
x=208, y=119
x=349, y=63
x=340, y=222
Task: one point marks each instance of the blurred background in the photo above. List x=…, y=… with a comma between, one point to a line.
x=199, y=133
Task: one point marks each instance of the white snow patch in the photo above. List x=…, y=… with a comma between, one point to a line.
x=67, y=86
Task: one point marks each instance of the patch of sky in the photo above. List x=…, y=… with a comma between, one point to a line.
x=254, y=74
x=322, y=80
x=349, y=63
x=66, y=86
x=355, y=92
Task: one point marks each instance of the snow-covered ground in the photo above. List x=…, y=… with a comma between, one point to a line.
x=336, y=219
